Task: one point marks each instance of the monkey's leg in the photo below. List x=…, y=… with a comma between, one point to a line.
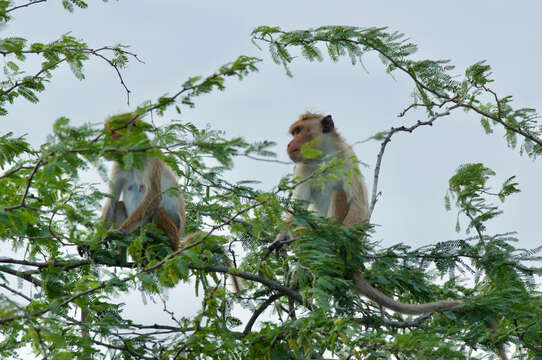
x=338, y=205
x=163, y=221
x=118, y=217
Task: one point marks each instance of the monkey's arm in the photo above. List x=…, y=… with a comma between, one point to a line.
x=302, y=192
x=357, y=213
x=111, y=214
x=151, y=202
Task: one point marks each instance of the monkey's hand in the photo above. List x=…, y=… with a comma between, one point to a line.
x=284, y=238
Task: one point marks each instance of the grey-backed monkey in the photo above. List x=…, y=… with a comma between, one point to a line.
x=138, y=193
x=344, y=199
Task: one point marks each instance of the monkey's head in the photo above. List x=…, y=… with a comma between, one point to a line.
x=124, y=129
x=118, y=126
x=313, y=131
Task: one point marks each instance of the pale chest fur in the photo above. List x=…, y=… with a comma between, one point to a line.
x=134, y=189
x=319, y=191
x=136, y=186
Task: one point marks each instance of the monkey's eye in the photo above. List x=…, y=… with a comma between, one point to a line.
x=296, y=130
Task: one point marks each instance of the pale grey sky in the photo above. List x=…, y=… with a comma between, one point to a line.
x=179, y=39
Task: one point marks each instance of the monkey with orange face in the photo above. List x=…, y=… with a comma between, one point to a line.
x=343, y=198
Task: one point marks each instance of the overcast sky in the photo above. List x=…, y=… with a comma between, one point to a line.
x=179, y=39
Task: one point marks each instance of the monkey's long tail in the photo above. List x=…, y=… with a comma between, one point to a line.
x=365, y=289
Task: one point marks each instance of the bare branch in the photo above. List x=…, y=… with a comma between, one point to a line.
x=30, y=3
x=115, y=66
x=259, y=311
x=399, y=324
x=27, y=188
x=387, y=139
x=18, y=293
x=22, y=275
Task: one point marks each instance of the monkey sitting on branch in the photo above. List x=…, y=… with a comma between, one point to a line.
x=138, y=193
x=343, y=199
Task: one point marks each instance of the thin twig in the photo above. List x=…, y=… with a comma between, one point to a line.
x=179, y=93
x=399, y=324
x=14, y=170
x=274, y=246
x=25, y=5
x=13, y=291
x=266, y=160
x=22, y=275
x=122, y=348
x=27, y=188
x=95, y=52
x=114, y=66
x=387, y=139
x=16, y=84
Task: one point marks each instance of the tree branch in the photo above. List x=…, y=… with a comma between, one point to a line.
x=28, y=182
x=366, y=43
x=13, y=291
x=387, y=139
x=115, y=66
x=22, y=275
x=259, y=311
x=398, y=324
x=25, y=5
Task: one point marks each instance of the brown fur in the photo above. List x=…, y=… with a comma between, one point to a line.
x=339, y=205
x=150, y=208
x=163, y=221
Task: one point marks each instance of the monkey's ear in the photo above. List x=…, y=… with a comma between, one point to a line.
x=327, y=124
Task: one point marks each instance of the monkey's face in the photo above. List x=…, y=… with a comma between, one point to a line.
x=122, y=130
x=301, y=131
x=305, y=131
